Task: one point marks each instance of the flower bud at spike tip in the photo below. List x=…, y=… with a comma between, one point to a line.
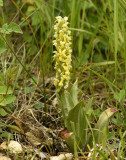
x=62, y=56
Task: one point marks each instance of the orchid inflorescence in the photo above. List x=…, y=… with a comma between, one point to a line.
x=62, y=55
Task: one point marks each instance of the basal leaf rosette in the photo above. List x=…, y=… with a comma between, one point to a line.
x=62, y=55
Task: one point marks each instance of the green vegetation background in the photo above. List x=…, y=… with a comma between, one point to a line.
x=99, y=51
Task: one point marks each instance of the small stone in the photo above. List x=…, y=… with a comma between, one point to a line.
x=3, y=146
x=14, y=147
x=3, y=157
x=67, y=156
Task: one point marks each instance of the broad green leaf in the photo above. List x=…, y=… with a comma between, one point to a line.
x=104, y=117
x=74, y=93
x=12, y=27
x=66, y=103
x=77, y=116
x=73, y=113
x=1, y=2
x=101, y=124
x=5, y=90
x=4, y=100
x=7, y=135
x=88, y=107
x=2, y=45
x=15, y=28
x=3, y=112
x=5, y=29
x=10, y=99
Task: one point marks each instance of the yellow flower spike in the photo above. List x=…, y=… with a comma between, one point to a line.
x=61, y=83
x=61, y=59
x=62, y=56
x=56, y=81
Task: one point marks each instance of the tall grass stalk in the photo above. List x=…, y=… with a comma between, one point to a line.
x=73, y=14
x=124, y=37
x=116, y=36
x=80, y=45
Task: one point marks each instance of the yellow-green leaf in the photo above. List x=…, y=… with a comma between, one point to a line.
x=3, y=112
x=5, y=90
x=12, y=27
x=1, y=2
